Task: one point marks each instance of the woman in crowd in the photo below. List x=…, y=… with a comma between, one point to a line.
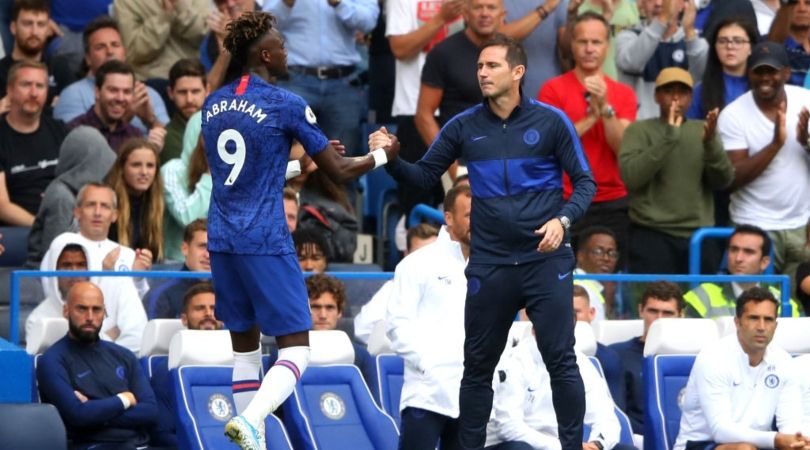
x=139, y=189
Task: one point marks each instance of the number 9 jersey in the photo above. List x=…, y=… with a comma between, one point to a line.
x=247, y=128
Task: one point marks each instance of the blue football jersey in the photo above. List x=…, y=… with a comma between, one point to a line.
x=248, y=127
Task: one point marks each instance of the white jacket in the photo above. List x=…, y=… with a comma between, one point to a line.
x=726, y=400
x=425, y=323
x=372, y=312
x=522, y=409
x=121, y=299
x=803, y=370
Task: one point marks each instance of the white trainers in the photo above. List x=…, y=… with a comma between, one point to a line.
x=245, y=435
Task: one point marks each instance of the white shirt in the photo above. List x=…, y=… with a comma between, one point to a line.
x=425, y=323
x=726, y=400
x=803, y=369
x=779, y=198
x=403, y=17
x=372, y=312
x=765, y=16
x=522, y=409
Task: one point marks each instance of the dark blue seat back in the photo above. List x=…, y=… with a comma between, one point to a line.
x=388, y=386
x=31, y=426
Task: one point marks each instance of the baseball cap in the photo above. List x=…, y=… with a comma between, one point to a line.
x=768, y=54
x=673, y=75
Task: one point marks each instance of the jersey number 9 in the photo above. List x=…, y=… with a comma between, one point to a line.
x=235, y=159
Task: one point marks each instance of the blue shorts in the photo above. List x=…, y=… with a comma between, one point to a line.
x=263, y=290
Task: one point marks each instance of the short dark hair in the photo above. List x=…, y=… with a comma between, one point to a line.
x=515, y=53
x=755, y=294
x=203, y=287
x=307, y=235
x=29, y=5
x=588, y=16
x=663, y=290
x=420, y=231
x=245, y=31
x=186, y=67
x=580, y=291
x=99, y=23
x=320, y=284
x=113, y=66
x=753, y=229
x=455, y=192
x=585, y=236
x=200, y=224
x=290, y=194
x=72, y=247
x=24, y=64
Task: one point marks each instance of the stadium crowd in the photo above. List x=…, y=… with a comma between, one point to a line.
x=691, y=113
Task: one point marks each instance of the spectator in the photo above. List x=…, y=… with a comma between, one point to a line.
x=325, y=208
x=327, y=301
x=373, y=312
x=413, y=28
x=218, y=64
x=72, y=17
x=291, y=208
x=666, y=37
x=325, y=74
x=597, y=253
x=449, y=83
x=187, y=91
x=660, y=299
x=795, y=35
x=199, y=307
x=608, y=358
x=115, y=85
x=29, y=144
x=98, y=387
x=167, y=300
x=312, y=249
x=157, y=34
x=425, y=323
x=771, y=186
x=674, y=162
x=102, y=42
x=765, y=11
x=725, y=78
x=125, y=316
x=749, y=250
x=84, y=157
x=621, y=14
x=523, y=411
x=766, y=411
x=601, y=109
x=139, y=189
x=30, y=28
x=187, y=189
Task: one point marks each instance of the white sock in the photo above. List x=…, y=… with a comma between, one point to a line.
x=278, y=384
x=246, y=377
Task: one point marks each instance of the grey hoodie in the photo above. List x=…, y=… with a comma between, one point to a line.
x=84, y=157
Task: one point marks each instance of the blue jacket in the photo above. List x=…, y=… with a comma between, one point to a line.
x=515, y=168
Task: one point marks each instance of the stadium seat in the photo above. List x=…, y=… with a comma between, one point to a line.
x=15, y=241
x=204, y=404
x=200, y=347
x=793, y=334
x=670, y=351
x=157, y=335
x=44, y=426
x=44, y=333
x=585, y=339
x=331, y=407
x=388, y=384
x=612, y=331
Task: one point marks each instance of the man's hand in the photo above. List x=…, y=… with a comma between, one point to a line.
x=802, y=135
x=54, y=30
x=82, y=398
x=143, y=260
x=451, y=9
x=391, y=150
x=595, y=85
x=573, y=7
x=551, y=5
x=109, y=261
x=669, y=11
x=689, y=17
x=131, y=397
x=552, y=233
x=379, y=139
x=710, y=125
x=113, y=333
x=784, y=441
x=157, y=136
x=141, y=105
x=216, y=23
x=674, y=119
x=338, y=146
x=779, y=127
x=169, y=5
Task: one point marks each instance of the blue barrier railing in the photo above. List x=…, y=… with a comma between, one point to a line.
x=423, y=211
x=14, y=302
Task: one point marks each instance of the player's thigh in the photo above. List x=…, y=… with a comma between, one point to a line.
x=233, y=306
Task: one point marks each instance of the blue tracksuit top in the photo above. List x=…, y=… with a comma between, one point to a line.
x=515, y=168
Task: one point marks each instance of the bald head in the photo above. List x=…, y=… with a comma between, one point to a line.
x=84, y=310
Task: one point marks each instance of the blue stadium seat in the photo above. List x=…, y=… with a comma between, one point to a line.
x=156, y=368
x=387, y=386
x=626, y=436
x=331, y=408
x=665, y=377
x=49, y=431
x=204, y=404
x=15, y=240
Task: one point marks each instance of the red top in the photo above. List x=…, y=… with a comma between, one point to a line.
x=568, y=94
